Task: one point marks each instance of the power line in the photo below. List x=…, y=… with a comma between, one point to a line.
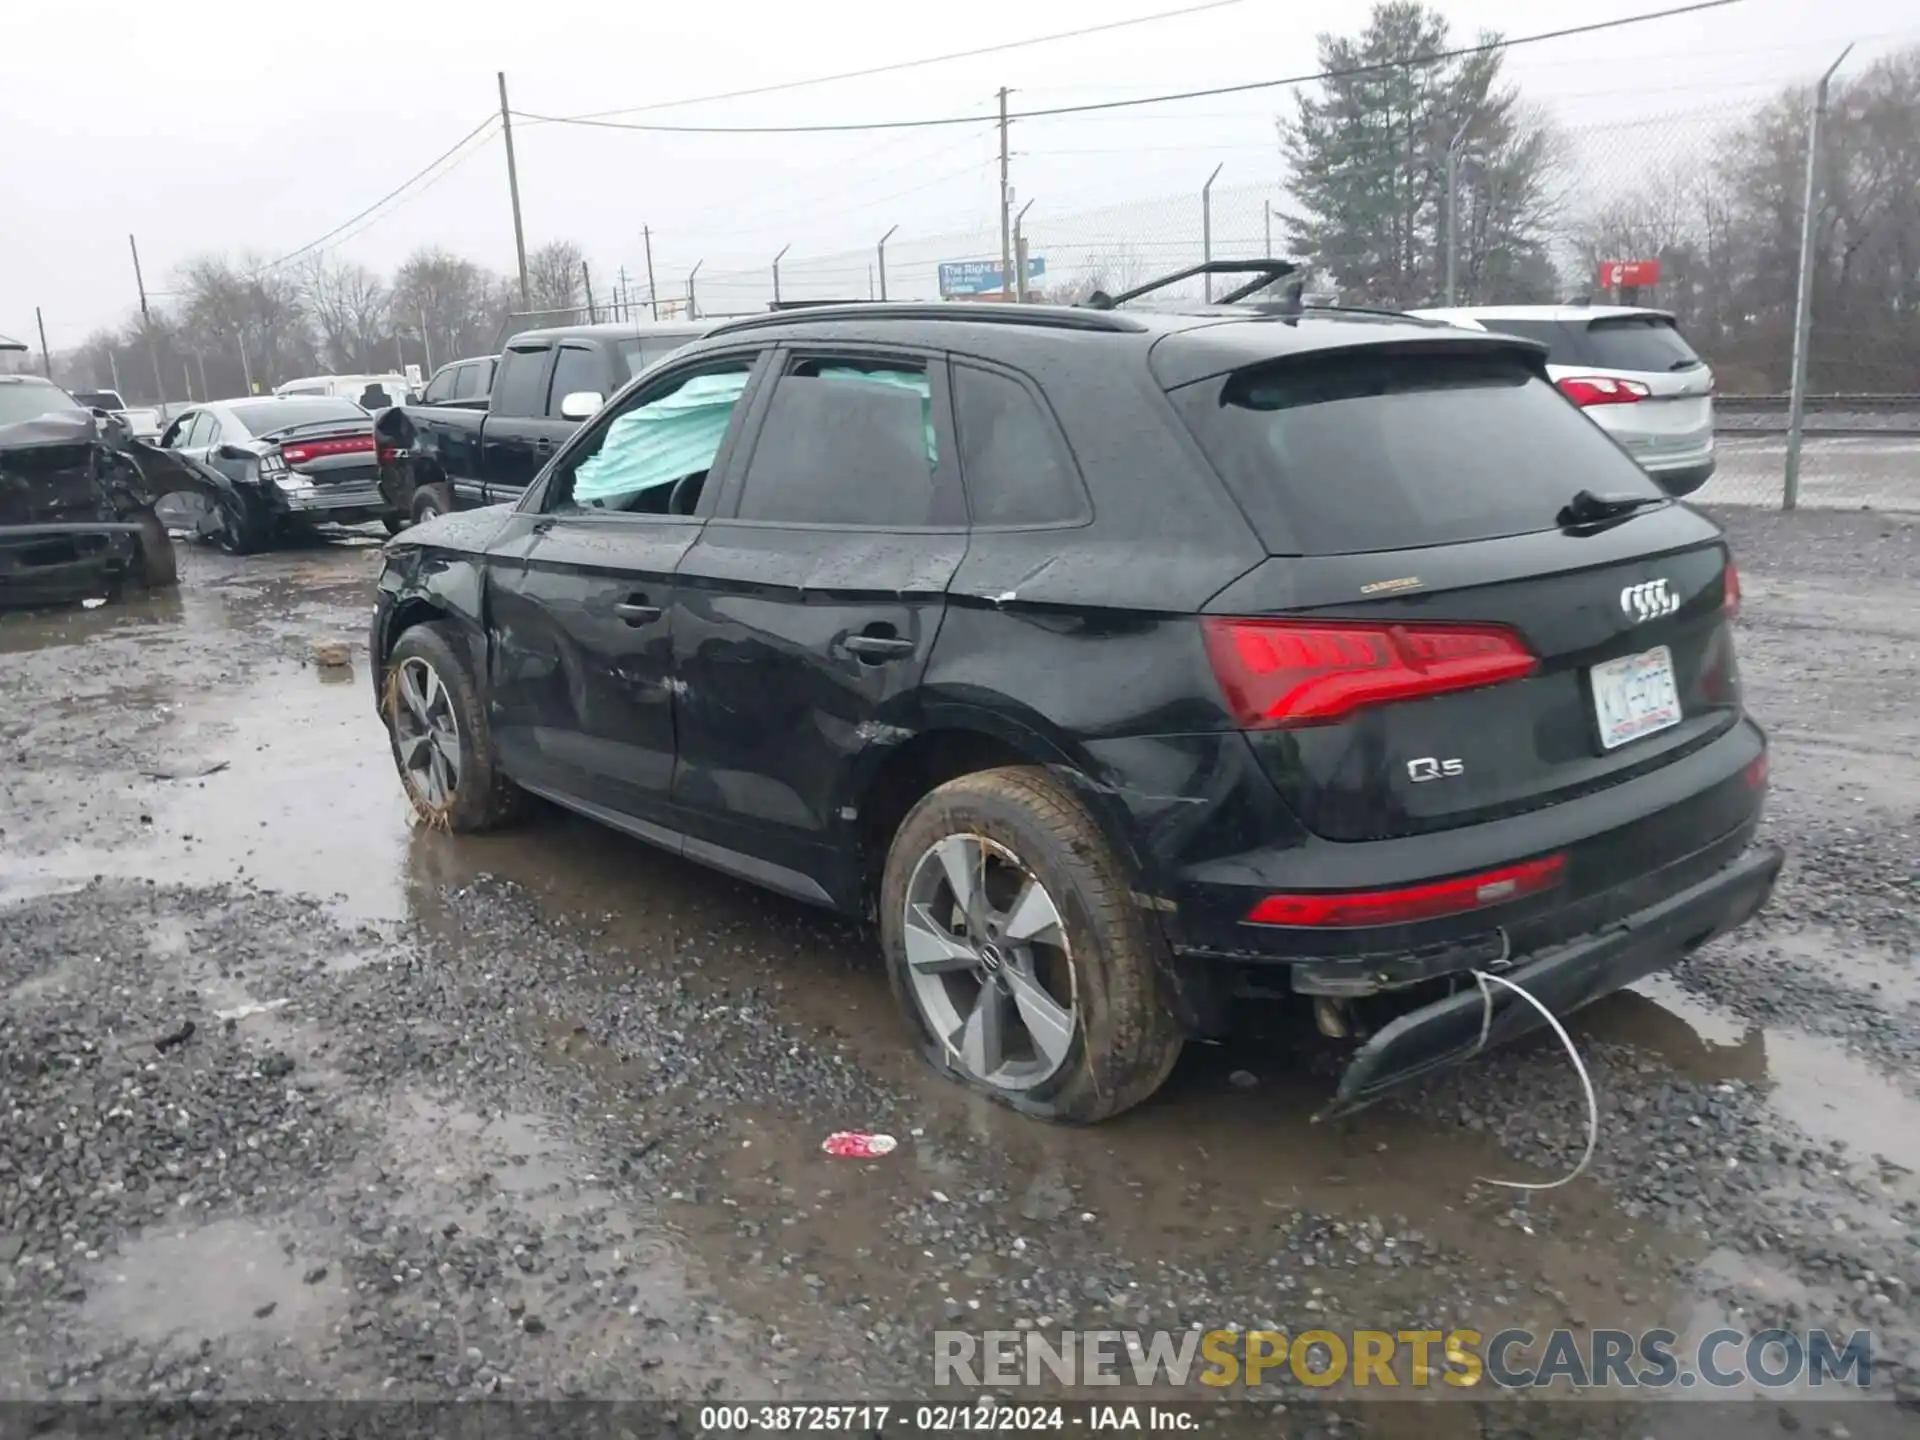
x=895, y=66
x=1435, y=57
x=361, y=215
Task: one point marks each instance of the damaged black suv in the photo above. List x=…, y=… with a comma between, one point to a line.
x=77, y=498
x=1120, y=663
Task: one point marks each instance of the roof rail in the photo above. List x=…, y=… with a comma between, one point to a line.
x=1266, y=272
x=1049, y=317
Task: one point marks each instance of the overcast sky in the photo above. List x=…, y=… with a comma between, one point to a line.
x=215, y=125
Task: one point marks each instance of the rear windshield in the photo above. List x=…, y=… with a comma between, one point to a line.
x=640, y=353
x=100, y=400
x=1330, y=455
x=1637, y=342
x=263, y=417
x=29, y=400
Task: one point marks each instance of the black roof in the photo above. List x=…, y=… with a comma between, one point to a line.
x=1187, y=344
x=612, y=330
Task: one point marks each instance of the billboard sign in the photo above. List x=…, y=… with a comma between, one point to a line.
x=981, y=277
x=1627, y=274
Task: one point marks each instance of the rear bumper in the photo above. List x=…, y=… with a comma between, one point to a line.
x=1682, y=478
x=1564, y=979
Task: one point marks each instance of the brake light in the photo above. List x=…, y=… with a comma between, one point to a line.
x=1342, y=909
x=389, y=454
x=1730, y=589
x=1756, y=772
x=1588, y=390
x=1290, y=672
x=298, y=452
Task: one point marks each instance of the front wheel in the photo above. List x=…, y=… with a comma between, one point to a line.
x=239, y=533
x=1015, y=949
x=394, y=523
x=441, y=741
x=431, y=500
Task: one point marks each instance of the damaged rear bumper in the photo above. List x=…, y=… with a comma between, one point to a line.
x=1563, y=979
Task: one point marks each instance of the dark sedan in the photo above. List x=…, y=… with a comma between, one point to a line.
x=289, y=462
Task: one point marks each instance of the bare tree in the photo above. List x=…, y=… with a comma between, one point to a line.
x=553, y=276
x=352, y=311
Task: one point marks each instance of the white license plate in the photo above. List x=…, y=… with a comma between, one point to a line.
x=1635, y=696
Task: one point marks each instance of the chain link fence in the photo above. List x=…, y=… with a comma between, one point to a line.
x=1712, y=196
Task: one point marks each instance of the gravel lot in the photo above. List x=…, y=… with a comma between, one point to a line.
x=538, y=1115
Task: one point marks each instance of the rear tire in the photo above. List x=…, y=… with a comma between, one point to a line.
x=1083, y=1032
x=394, y=523
x=159, y=566
x=438, y=731
x=431, y=500
x=239, y=532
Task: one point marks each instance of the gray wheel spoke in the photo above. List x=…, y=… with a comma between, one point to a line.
x=931, y=950
x=983, y=1039
x=414, y=750
x=1045, y=1019
x=962, y=858
x=411, y=695
x=1033, y=916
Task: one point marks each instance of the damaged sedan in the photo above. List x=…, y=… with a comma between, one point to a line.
x=77, y=500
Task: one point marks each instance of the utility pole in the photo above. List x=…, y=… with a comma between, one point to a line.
x=1020, y=254
x=113, y=372
x=1006, y=208
x=620, y=309
x=776, y=273
x=1803, y=299
x=513, y=190
x=146, y=324
x=1269, y=222
x=693, y=309
x=186, y=374
x=1206, y=224
x=200, y=361
x=426, y=345
x=883, y=265
x=586, y=280
x=653, y=294
x=46, y=355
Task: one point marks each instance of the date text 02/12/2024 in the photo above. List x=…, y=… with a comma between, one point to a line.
x=940, y=1419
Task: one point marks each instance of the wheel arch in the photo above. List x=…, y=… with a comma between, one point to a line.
x=954, y=738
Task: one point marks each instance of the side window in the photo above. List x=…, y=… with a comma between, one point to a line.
x=847, y=442
x=653, y=456
x=440, y=388
x=210, y=431
x=470, y=382
x=576, y=369
x=1012, y=459
x=183, y=438
x=521, y=389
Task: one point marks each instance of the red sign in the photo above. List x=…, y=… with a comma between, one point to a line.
x=1624, y=274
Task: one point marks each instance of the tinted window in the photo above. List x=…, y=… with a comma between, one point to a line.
x=1638, y=342
x=1386, y=452
x=520, y=388
x=376, y=395
x=440, y=388
x=263, y=417
x=574, y=371
x=470, y=381
x=1556, y=337
x=212, y=432
x=29, y=400
x=1011, y=458
x=653, y=456
x=846, y=443
x=638, y=354
x=100, y=400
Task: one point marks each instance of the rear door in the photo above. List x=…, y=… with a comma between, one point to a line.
x=804, y=615
x=516, y=423
x=1430, y=646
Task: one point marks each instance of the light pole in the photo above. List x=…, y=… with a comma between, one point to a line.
x=1206, y=223
x=693, y=310
x=1803, y=296
x=1020, y=254
x=776, y=273
x=883, y=260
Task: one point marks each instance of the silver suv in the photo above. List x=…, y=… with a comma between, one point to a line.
x=1629, y=369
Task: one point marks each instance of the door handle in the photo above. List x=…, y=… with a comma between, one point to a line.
x=635, y=610
x=543, y=443
x=876, y=648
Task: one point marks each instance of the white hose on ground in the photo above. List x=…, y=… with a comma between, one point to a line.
x=1586, y=1082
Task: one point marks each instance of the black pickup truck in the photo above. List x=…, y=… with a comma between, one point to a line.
x=459, y=456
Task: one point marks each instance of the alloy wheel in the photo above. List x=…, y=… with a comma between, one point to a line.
x=989, y=964
x=426, y=733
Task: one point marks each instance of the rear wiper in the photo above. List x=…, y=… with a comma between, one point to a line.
x=1587, y=508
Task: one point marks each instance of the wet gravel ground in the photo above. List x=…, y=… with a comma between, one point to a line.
x=298, y=1100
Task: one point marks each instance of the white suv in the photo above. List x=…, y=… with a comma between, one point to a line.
x=1629, y=369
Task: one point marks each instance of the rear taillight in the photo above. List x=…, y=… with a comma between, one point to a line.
x=1756, y=772
x=298, y=452
x=1589, y=390
x=1340, y=909
x=1730, y=590
x=1289, y=672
